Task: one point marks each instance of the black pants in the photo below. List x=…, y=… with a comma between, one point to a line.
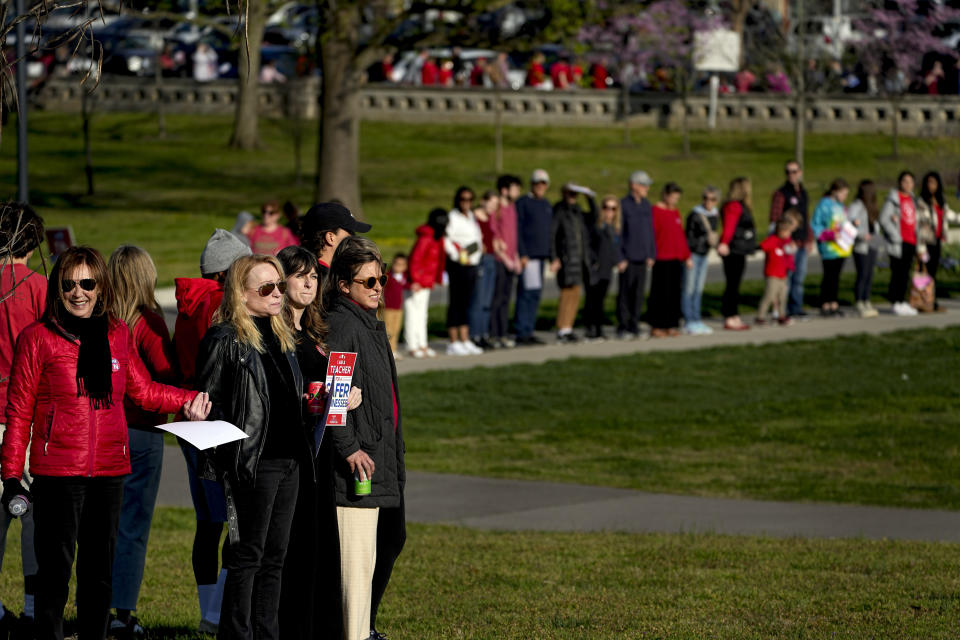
x=900, y=273
x=463, y=279
x=666, y=289
x=594, y=316
x=864, y=263
x=933, y=264
x=633, y=281
x=830, y=283
x=500, y=306
x=71, y=512
x=391, y=536
x=254, y=564
x=733, y=266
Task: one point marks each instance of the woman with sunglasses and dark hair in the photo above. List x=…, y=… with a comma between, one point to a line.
x=247, y=362
x=463, y=244
x=370, y=444
x=70, y=374
x=933, y=218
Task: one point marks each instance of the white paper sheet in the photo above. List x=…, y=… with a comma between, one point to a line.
x=532, y=275
x=204, y=434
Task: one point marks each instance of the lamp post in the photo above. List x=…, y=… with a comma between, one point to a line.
x=23, y=187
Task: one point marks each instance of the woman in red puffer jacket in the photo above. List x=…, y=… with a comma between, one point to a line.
x=71, y=371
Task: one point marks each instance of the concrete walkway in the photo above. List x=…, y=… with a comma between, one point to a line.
x=487, y=503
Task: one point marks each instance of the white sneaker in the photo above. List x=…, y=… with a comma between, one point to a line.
x=472, y=349
x=910, y=310
x=418, y=354
x=457, y=349
x=430, y=353
x=901, y=309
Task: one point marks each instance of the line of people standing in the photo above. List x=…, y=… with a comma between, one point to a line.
x=509, y=242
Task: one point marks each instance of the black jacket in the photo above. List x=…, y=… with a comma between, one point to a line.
x=370, y=426
x=569, y=241
x=233, y=374
x=604, y=252
x=697, y=233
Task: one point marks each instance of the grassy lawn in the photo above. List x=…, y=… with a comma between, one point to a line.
x=458, y=583
x=167, y=194
x=863, y=419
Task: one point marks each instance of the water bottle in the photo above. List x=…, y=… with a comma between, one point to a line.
x=18, y=506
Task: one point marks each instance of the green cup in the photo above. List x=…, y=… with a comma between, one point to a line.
x=361, y=484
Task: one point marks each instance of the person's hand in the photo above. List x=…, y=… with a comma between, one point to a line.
x=12, y=487
x=723, y=249
x=523, y=262
x=198, y=408
x=867, y=237
x=622, y=266
x=809, y=247
x=689, y=263
x=415, y=287
x=354, y=398
x=555, y=266
x=650, y=263
x=359, y=460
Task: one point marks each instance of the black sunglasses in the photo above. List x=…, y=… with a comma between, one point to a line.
x=371, y=282
x=87, y=284
x=266, y=289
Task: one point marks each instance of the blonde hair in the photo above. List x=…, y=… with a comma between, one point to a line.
x=617, y=217
x=233, y=311
x=134, y=280
x=740, y=191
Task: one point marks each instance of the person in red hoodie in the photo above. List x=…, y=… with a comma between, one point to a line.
x=71, y=371
x=673, y=253
x=24, y=295
x=426, y=264
x=779, y=249
x=134, y=277
x=393, y=301
x=197, y=299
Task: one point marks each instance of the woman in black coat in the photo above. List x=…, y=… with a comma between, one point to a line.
x=370, y=444
x=569, y=253
x=604, y=255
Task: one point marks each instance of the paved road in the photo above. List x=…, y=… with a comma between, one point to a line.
x=511, y=505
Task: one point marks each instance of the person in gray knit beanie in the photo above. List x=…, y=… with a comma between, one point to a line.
x=222, y=249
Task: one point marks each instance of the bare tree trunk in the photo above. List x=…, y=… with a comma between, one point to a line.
x=625, y=107
x=86, y=114
x=158, y=77
x=800, y=122
x=684, y=128
x=245, y=130
x=497, y=131
x=340, y=130
x=895, y=124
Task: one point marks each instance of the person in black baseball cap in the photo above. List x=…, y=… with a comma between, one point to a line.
x=324, y=226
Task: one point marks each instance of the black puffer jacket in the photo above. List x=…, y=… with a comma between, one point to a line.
x=604, y=252
x=371, y=425
x=233, y=374
x=570, y=241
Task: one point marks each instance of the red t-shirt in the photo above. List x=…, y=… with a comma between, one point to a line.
x=393, y=291
x=429, y=74
x=939, y=210
x=536, y=75
x=560, y=75
x=24, y=307
x=669, y=234
x=908, y=220
x=779, y=261
x=271, y=242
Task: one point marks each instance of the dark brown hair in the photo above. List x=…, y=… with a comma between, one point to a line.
x=297, y=260
x=71, y=259
x=867, y=194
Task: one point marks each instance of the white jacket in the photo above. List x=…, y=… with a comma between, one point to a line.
x=463, y=233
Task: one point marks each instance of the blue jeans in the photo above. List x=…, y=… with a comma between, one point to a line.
x=693, y=281
x=483, y=297
x=528, y=302
x=136, y=513
x=795, y=303
x=208, y=499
